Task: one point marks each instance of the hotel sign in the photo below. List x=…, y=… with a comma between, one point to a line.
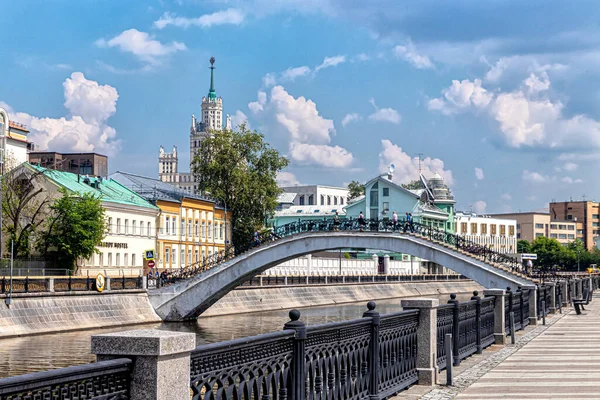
x=113, y=245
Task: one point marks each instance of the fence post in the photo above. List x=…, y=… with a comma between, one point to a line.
x=564, y=292
x=426, y=338
x=297, y=370
x=161, y=368
x=533, y=295
x=552, y=288
x=373, y=350
x=51, y=285
x=499, y=317
x=107, y=284
x=478, y=320
x=27, y=284
x=455, y=333
x=70, y=282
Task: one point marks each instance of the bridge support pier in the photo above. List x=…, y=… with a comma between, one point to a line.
x=551, y=286
x=161, y=361
x=533, y=296
x=426, y=338
x=499, y=316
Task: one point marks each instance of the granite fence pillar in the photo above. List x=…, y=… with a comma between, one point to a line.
x=499, y=316
x=375, y=259
x=426, y=338
x=564, y=294
x=51, y=285
x=551, y=286
x=161, y=361
x=533, y=296
x=580, y=288
x=309, y=264
x=386, y=264
x=107, y=283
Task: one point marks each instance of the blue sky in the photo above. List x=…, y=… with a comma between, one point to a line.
x=499, y=97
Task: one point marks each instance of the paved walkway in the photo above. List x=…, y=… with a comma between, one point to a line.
x=562, y=362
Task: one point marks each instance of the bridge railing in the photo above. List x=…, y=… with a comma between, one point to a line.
x=100, y=380
x=66, y=284
x=349, y=225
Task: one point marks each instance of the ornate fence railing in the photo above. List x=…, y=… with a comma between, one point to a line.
x=274, y=280
x=487, y=321
x=105, y=380
x=445, y=323
x=373, y=355
x=350, y=225
x=517, y=303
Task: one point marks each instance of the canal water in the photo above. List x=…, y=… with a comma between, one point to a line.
x=40, y=353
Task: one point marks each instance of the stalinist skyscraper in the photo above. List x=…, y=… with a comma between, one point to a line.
x=211, y=119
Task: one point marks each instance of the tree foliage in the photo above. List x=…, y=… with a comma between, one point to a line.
x=355, y=189
x=239, y=168
x=413, y=185
x=550, y=253
x=75, y=227
x=24, y=206
x=523, y=246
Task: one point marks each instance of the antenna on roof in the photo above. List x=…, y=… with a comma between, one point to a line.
x=420, y=155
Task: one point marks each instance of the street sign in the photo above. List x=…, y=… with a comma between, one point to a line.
x=528, y=256
x=151, y=264
x=149, y=254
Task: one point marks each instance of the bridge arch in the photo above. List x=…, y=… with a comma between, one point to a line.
x=188, y=299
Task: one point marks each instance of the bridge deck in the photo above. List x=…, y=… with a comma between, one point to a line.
x=561, y=363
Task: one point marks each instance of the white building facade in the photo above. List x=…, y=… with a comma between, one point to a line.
x=318, y=195
x=211, y=120
x=497, y=234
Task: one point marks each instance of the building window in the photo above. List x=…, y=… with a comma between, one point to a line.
x=484, y=229
x=133, y=260
x=562, y=227
x=167, y=256
x=196, y=229
x=196, y=255
x=174, y=256
x=311, y=200
x=518, y=226
x=341, y=200
x=511, y=230
x=110, y=228
x=463, y=228
x=553, y=226
x=134, y=227
x=127, y=227
x=203, y=229
x=386, y=192
x=221, y=231
x=539, y=226
x=580, y=231
x=539, y=234
x=553, y=236
x=328, y=200
x=571, y=227
x=173, y=225
x=473, y=228
x=569, y=216
x=149, y=229
x=190, y=256
x=182, y=258
x=209, y=230
x=386, y=207
x=118, y=225
x=518, y=236
x=571, y=236
x=322, y=200
x=182, y=230
x=594, y=223
x=167, y=225
x=118, y=260
x=189, y=227
x=502, y=230
x=594, y=216
x=110, y=259
x=301, y=200
x=493, y=229
x=125, y=259
x=101, y=259
x=562, y=236
x=335, y=200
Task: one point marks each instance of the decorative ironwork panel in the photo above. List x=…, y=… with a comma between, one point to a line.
x=337, y=360
x=445, y=316
x=487, y=321
x=467, y=328
x=507, y=310
x=398, y=351
x=548, y=296
x=516, y=309
x=106, y=380
x=525, y=308
x=243, y=369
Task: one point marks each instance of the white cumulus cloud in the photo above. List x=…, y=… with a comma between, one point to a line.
x=385, y=114
x=407, y=167
x=409, y=53
x=330, y=62
x=258, y=105
x=570, y=166
x=506, y=196
x=461, y=96
x=142, y=45
x=348, y=118
x=85, y=129
x=479, y=173
x=324, y=155
x=532, y=176
x=569, y=180
x=231, y=16
x=479, y=207
x=239, y=118
x=285, y=178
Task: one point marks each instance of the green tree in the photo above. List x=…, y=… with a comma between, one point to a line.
x=523, y=246
x=550, y=252
x=355, y=189
x=413, y=185
x=239, y=168
x=75, y=227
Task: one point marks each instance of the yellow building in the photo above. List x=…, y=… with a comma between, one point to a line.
x=190, y=228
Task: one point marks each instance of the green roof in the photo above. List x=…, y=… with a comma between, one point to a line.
x=108, y=190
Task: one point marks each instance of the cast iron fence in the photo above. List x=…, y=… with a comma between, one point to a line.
x=445, y=323
x=350, y=225
x=371, y=356
x=275, y=280
x=105, y=380
x=67, y=284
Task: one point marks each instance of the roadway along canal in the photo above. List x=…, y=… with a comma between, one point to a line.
x=40, y=353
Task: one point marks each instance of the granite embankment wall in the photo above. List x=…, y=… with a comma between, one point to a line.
x=35, y=313
x=244, y=300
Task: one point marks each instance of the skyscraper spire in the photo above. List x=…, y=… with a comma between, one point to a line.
x=211, y=93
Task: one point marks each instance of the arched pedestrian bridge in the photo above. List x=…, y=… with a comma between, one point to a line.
x=187, y=299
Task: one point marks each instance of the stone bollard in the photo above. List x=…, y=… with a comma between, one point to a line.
x=375, y=259
x=533, y=295
x=551, y=286
x=499, y=317
x=386, y=264
x=564, y=293
x=161, y=369
x=426, y=338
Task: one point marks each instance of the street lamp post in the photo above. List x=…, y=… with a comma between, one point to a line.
x=578, y=252
x=4, y=124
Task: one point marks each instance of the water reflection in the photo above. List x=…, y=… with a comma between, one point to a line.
x=44, y=352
